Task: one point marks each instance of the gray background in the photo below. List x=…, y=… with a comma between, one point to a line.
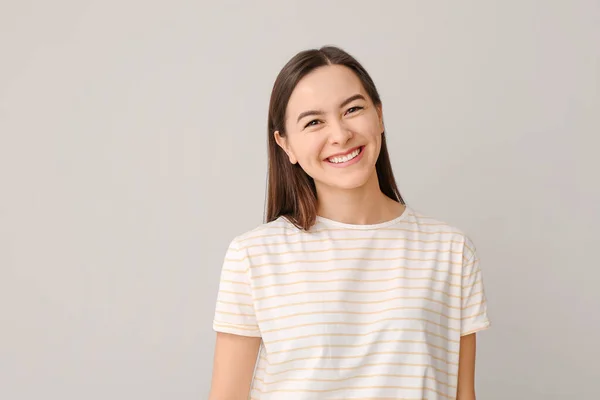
x=132, y=150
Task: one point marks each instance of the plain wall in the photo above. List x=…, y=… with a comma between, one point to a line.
x=133, y=149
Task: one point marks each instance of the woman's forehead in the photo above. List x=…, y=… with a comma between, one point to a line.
x=325, y=86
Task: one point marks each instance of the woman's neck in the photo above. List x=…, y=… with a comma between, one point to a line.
x=366, y=205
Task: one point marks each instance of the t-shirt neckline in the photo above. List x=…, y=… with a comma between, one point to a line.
x=379, y=225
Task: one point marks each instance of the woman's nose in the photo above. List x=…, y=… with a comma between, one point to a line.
x=340, y=133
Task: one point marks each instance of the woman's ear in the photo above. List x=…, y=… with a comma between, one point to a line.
x=283, y=143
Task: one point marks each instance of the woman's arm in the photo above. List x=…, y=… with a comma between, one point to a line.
x=233, y=366
x=466, y=368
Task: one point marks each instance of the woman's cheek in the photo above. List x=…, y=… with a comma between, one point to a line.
x=316, y=149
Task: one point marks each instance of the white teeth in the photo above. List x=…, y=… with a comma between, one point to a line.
x=346, y=158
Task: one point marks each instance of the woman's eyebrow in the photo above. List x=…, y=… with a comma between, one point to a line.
x=319, y=112
x=309, y=112
x=351, y=99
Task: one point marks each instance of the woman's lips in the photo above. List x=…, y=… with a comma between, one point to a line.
x=346, y=159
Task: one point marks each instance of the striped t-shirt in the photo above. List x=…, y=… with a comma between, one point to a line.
x=353, y=311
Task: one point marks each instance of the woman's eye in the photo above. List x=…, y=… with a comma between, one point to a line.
x=353, y=109
x=312, y=123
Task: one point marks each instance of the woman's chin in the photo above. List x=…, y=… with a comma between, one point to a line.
x=353, y=181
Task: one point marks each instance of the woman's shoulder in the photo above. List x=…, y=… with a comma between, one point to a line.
x=265, y=233
x=432, y=224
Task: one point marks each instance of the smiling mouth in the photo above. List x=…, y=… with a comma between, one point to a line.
x=346, y=157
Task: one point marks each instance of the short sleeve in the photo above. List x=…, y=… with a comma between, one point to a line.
x=234, y=310
x=474, y=313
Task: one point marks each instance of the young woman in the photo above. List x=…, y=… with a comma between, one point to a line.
x=345, y=292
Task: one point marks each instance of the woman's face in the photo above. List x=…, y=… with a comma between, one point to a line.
x=333, y=129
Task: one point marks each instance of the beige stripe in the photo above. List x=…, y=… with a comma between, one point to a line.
x=236, y=293
x=324, y=271
x=233, y=271
x=377, y=398
x=364, y=291
x=343, y=312
x=354, y=388
x=344, y=239
x=362, y=366
x=254, y=266
x=234, y=303
x=376, y=331
x=341, y=346
x=236, y=314
x=475, y=315
x=477, y=271
x=376, y=353
x=356, y=302
x=233, y=282
x=469, y=248
x=470, y=264
x=360, y=324
x=352, y=280
x=466, y=299
x=475, y=304
x=354, y=291
x=421, y=232
x=303, y=251
x=351, y=378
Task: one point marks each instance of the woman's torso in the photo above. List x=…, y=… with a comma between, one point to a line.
x=357, y=311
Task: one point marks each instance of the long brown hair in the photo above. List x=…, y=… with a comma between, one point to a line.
x=290, y=191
